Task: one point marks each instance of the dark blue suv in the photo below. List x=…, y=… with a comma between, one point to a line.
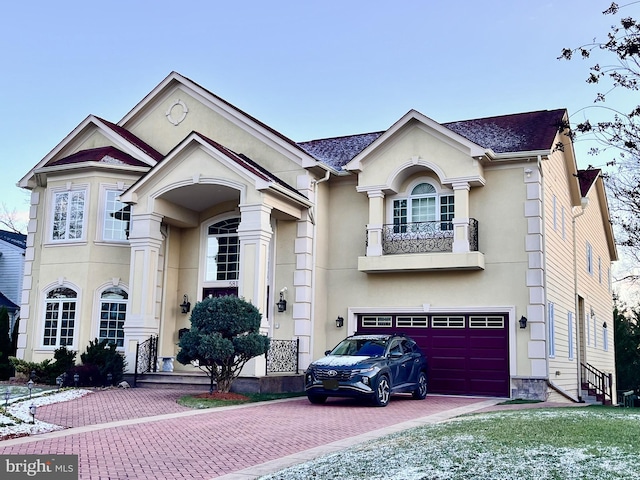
x=369, y=366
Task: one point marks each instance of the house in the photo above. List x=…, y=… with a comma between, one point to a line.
x=479, y=238
x=12, y=250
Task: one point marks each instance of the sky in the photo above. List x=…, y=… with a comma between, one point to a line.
x=307, y=69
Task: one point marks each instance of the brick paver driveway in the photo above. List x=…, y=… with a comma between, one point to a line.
x=143, y=433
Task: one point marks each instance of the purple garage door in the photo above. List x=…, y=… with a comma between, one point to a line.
x=468, y=353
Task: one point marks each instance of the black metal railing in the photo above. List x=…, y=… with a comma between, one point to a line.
x=424, y=237
x=600, y=383
x=146, y=357
x=283, y=356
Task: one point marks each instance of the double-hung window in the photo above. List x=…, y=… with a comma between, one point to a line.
x=60, y=317
x=423, y=210
x=68, y=215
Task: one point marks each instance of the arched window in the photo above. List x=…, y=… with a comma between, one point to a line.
x=423, y=205
x=60, y=317
x=223, y=251
x=113, y=313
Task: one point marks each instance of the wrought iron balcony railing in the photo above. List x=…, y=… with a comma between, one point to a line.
x=424, y=237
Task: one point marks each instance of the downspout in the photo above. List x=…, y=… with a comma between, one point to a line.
x=314, y=255
x=583, y=205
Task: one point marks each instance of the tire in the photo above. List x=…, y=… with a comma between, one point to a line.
x=317, y=399
x=420, y=393
x=382, y=393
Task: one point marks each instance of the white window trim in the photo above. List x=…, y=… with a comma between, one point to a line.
x=97, y=300
x=552, y=333
x=570, y=334
x=102, y=212
x=204, y=234
x=41, y=320
x=69, y=187
x=406, y=195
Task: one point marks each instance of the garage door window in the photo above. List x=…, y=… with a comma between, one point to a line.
x=447, y=322
x=376, y=321
x=412, y=322
x=486, y=322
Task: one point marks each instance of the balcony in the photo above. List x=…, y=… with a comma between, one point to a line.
x=424, y=246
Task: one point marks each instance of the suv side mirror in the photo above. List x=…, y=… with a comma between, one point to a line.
x=327, y=352
x=395, y=354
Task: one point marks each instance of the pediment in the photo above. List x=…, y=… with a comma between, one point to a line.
x=417, y=143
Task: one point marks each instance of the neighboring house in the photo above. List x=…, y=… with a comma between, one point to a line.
x=468, y=236
x=12, y=250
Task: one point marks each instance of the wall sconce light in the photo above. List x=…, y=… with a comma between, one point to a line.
x=528, y=172
x=282, y=303
x=523, y=322
x=339, y=322
x=604, y=325
x=185, y=305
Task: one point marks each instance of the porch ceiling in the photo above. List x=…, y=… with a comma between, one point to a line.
x=199, y=197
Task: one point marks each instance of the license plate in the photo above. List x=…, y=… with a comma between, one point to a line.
x=330, y=384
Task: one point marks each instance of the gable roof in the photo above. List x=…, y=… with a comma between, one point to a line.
x=586, y=178
x=228, y=110
x=520, y=132
x=16, y=239
x=125, y=141
x=107, y=155
x=133, y=139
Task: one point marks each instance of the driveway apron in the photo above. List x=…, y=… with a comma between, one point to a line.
x=143, y=433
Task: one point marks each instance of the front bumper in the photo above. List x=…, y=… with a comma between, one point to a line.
x=360, y=384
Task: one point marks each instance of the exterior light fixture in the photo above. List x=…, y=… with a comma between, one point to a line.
x=33, y=375
x=76, y=379
x=30, y=387
x=7, y=395
x=109, y=378
x=339, y=322
x=59, y=381
x=32, y=411
x=282, y=303
x=604, y=325
x=523, y=322
x=185, y=305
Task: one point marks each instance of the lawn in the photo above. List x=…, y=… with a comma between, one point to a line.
x=561, y=443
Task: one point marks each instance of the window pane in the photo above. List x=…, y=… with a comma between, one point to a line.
x=116, y=218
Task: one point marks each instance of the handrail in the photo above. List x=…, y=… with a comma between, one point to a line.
x=146, y=357
x=599, y=381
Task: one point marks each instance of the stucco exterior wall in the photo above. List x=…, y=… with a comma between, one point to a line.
x=88, y=265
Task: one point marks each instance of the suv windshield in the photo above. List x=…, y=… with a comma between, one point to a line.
x=366, y=347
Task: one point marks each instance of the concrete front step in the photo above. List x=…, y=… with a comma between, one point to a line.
x=277, y=383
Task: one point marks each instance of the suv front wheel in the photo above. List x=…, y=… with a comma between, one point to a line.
x=383, y=392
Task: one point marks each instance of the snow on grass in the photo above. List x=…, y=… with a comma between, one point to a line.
x=541, y=445
x=16, y=420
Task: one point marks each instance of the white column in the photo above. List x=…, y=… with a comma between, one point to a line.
x=254, y=233
x=142, y=321
x=375, y=225
x=461, y=219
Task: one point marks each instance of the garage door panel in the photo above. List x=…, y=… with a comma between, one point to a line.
x=463, y=360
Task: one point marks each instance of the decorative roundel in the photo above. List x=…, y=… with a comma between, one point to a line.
x=177, y=112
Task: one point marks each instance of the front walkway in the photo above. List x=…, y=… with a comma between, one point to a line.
x=144, y=433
